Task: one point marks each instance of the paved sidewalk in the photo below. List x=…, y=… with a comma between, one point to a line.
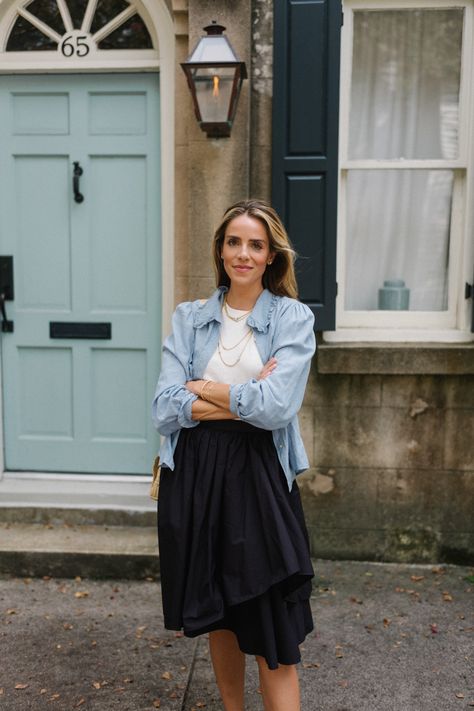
x=388, y=637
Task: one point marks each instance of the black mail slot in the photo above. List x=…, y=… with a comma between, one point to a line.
x=82, y=329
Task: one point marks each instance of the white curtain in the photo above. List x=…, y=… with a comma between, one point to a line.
x=404, y=105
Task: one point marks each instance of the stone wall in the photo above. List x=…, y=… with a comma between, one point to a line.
x=392, y=455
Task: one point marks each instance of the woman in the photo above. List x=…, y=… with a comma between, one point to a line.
x=234, y=551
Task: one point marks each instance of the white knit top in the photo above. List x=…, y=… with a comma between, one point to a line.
x=234, y=336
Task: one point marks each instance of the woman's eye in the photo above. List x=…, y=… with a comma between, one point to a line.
x=258, y=245
x=231, y=242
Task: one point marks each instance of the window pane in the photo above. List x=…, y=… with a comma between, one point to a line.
x=77, y=10
x=106, y=10
x=48, y=12
x=405, y=84
x=26, y=38
x=131, y=35
x=398, y=225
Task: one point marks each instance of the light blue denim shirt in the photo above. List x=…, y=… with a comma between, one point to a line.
x=283, y=328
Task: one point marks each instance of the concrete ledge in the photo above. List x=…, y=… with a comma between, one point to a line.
x=396, y=359
x=34, y=550
x=57, y=516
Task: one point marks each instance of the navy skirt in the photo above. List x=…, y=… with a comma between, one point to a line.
x=234, y=549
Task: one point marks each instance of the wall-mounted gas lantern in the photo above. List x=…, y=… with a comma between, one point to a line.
x=215, y=76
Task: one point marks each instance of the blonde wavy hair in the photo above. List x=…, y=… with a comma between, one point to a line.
x=279, y=276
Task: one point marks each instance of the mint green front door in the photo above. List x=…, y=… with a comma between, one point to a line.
x=74, y=401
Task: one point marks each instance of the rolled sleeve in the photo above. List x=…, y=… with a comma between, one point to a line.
x=172, y=404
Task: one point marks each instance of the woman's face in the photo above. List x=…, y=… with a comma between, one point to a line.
x=246, y=251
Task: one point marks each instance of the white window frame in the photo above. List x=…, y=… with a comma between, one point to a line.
x=452, y=325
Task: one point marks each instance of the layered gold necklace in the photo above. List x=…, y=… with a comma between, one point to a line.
x=245, y=338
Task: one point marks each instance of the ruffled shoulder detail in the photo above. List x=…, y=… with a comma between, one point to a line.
x=206, y=310
x=263, y=311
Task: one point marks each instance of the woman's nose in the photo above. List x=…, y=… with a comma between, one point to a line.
x=243, y=252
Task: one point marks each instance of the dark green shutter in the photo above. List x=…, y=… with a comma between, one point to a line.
x=305, y=138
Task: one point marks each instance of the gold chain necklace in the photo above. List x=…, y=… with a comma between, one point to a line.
x=231, y=365
x=231, y=348
x=234, y=318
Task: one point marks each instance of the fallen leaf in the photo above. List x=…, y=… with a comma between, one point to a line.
x=434, y=628
x=447, y=597
x=46, y=578
x=78, y=579
x=93, y=643
x=21, y=686
x=386, y=622
x=96, y=684
x=173, y=695
x=417, y=578
x=2, y=690
x=11, y=611
x=68, y=626
x=80, y=702
x=128, y=680
x=54, y=697
x=344, y=683
x=311, y=665
x=81, y=593
x=438, y=570
x=157, y=703
x=200, y=704
x=356, y=600
x=43, y=691
x=459, y=695
x=166, y=675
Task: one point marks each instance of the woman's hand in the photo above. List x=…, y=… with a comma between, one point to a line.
x=267, y=369
x=195, y=386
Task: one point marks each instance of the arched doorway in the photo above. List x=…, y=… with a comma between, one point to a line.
x=81, y=189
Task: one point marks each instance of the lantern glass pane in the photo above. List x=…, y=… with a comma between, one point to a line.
x=214, y=92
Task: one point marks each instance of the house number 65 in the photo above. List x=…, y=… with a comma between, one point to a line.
x=75, y=45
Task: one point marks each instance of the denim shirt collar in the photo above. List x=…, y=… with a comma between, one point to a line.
x=259, y=318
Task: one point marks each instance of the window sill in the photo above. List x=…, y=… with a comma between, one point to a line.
x=373, y=358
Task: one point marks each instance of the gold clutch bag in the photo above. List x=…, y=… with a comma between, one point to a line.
x=155, y=484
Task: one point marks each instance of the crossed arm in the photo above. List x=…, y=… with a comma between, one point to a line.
x=216, y=405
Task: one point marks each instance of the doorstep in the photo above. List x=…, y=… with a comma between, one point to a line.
x=65, y=549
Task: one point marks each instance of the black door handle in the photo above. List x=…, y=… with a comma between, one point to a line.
x=6, y=290
x=78, y=171
x=7, y=326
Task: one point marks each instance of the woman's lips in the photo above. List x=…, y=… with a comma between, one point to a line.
x=241, y=268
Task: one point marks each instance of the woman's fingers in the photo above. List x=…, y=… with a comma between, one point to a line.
x=268, y=368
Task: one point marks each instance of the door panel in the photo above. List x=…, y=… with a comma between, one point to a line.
x=81, y=405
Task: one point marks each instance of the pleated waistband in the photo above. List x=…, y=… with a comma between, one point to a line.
x=232, y=426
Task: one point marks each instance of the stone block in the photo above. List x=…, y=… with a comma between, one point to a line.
x=357, y=390
x=260, y=173
x=377, y=437
x=306, y=422
x=397, y=359
x=181, y=247
x=200, y=288
x=458, y=436
x=343, y=498
x=455, y=391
